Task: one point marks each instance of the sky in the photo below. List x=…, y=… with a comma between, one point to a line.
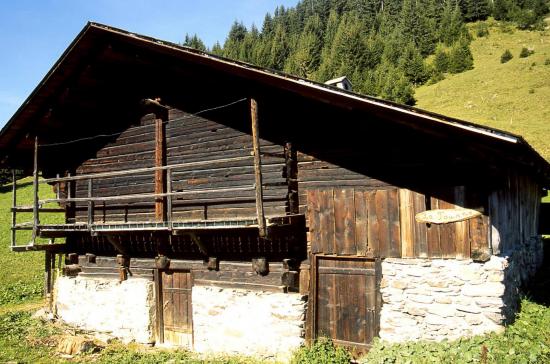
x=34, y=33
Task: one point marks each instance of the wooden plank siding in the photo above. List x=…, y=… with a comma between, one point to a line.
x=345, y=303
x=514, y=212
x=188, y=139
x=381, y=223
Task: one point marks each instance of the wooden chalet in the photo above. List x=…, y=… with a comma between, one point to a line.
x=182, y=169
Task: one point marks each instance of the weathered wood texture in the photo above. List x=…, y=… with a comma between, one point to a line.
x=177, y=312
x=381, y=223
x=514, y=212
x=346, y=303
x=188, y=139
x=233, y=274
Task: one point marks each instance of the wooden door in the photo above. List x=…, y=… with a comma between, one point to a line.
x=346, y=301
x=176, y=312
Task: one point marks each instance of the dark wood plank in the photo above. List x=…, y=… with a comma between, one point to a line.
x=327, y=221
x=447, y=234
x=434, y=250
x=420, y=229
x=373, y=225
x=314, y=214
x=394, y=248
x=382, y=215
x=344, y=222
x=361, y=222
x=406, y=214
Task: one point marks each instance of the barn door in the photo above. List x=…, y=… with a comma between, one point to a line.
x=346, y=301
x=176, y=311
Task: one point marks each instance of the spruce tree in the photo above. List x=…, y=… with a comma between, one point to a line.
x=412, y=65
x=233, y=43
x=306, y=58
x=279, y=48
x=441, y=60
x=194, y=42
x=460, y=57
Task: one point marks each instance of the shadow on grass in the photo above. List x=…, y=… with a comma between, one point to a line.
x=539, y=289
x=8, y=187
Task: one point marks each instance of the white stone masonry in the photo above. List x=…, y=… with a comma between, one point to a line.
x=122, y=309
x=236, y=321
x=446, y=299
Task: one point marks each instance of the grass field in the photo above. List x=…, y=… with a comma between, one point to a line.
x=514, y=96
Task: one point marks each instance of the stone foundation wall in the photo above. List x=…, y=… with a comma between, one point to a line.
x=125, y=310
x=447, y=299
x=265, y=324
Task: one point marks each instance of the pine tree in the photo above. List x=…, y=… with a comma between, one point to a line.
x=500, y=9
x=460, y=57
x=306, y=58
x=279, y=48
x=194, y=42
x=441, y=60
x=415, y=27
x=473, y=10
x=412, y=65
x=217, y=49
x=452, y=26
x=347, y=49
x=235, y=38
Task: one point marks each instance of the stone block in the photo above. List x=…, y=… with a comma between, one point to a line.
x=443, y=299
x=442, y=310
x=473, y=319
x=490, y=289
x=399, y=284
x=421, y=299
x=415, y=309
x=469, y=309
x=438, y=283
x=496, y=264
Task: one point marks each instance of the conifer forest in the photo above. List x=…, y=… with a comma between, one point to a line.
x=385, y=47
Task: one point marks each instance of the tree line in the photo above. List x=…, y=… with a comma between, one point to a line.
x=380, y=45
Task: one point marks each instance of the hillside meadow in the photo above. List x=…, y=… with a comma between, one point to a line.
x=513, y=96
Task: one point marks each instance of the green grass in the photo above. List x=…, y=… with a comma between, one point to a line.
x=514, y=96
x=527, y=340
x=20, y=273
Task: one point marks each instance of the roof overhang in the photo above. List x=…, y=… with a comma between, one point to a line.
x=83, y=45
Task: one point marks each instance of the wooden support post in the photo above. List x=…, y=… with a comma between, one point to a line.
x=169, y=197
x=90, y=204
x=257, y=167
x=69, y=206
x=47, y=273
x=36, y=218
x=14, y=205
x=159, y=173
x=57, y=188
x=159, y=305
x=292, y=178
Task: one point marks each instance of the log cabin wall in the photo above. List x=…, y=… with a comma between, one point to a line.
x=514, y=212
x=188, y=139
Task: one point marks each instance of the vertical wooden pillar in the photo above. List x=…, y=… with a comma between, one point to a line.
x=36, y=218
x=160, y=211
x=14, y=205
x=257, y=168
x=47, y=273
x=292, y=178
x=90, y=203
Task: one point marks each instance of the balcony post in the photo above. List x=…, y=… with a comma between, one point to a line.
x=35, y=209
x=257, y=168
